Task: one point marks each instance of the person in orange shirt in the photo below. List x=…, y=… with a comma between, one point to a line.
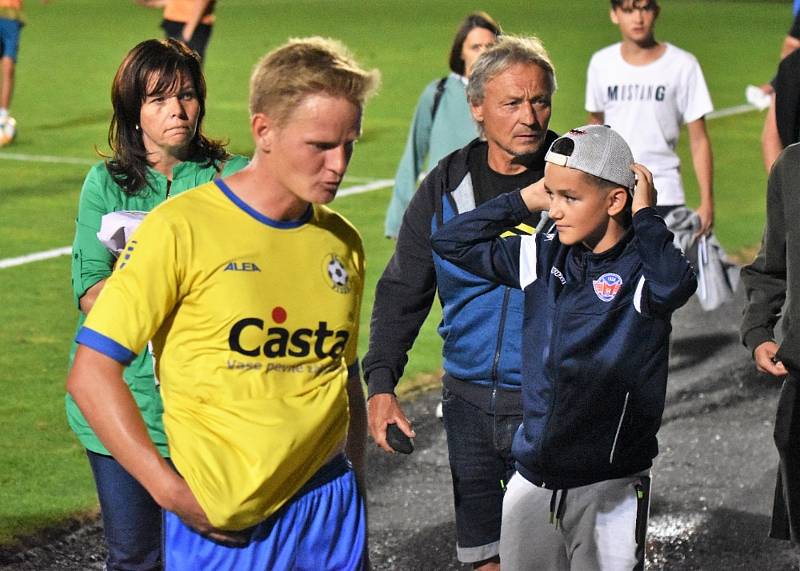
x=190, y=21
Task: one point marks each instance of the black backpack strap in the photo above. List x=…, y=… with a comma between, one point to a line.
x=437, y=98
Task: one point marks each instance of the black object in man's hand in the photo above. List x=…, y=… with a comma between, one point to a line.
x=398, y=440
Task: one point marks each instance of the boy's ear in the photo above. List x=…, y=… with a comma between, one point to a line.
x=617, y=199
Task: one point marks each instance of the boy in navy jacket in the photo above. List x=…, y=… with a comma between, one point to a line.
x=599, y=296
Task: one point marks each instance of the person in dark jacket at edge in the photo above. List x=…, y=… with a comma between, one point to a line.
x=599, y=296
x=509, y=93
x=772, y=293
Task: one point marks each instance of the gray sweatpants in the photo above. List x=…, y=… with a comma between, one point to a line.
x=601, y=526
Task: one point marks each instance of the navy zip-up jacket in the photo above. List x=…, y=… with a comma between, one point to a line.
x=481, y=320
x=595, y=338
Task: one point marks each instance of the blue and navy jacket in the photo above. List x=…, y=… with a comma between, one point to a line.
x=481, y=320
x=595, y=338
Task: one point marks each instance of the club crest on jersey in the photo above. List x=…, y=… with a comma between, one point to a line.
x=607, y=286
x=336, y=273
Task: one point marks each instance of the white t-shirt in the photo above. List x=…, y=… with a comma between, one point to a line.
x=647, y=104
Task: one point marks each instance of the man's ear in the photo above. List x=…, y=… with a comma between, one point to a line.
x=613, y=15
x=477, y=111
x=263, y=130
x=617, y=199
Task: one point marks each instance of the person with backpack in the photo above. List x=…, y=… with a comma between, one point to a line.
x=442, y=121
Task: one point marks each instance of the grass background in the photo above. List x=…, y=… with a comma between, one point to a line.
x=69, y=52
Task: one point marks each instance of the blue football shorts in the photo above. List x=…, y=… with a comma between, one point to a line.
x=9, y=38
x=323, y=527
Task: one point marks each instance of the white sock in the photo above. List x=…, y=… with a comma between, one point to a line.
x=3, y=113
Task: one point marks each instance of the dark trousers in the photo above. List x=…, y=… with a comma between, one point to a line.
x=479, y=449
x=198, y=41
x=786, y=507
x=131, y=518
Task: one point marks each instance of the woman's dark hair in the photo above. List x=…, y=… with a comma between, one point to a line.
x=472, y=21
x=153, y=66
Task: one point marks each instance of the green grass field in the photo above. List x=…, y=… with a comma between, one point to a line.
x=70, y=50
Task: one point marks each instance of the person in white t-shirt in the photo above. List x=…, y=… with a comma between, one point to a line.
x=645, y=90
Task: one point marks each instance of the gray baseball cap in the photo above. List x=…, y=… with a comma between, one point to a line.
x=597, y=150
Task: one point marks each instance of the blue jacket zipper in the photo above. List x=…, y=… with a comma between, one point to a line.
x=498, y=348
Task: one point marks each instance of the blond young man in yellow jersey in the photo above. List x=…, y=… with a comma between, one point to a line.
x=250, y=291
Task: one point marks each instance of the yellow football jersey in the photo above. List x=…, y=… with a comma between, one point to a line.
x=254, y=325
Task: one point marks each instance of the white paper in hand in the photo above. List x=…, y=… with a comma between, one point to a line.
x=116, y=228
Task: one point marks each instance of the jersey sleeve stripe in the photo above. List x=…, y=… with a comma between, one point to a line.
x=105, y=345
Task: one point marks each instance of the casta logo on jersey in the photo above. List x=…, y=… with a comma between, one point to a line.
x=607, y=286
x=278, y=341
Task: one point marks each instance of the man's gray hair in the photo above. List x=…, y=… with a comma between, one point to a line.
x=508, y=51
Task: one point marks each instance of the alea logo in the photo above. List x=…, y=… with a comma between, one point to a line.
x=281, y=342
x=242, y=267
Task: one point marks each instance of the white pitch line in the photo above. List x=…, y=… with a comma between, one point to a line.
x=28, y=258
x=79, y=161
x=735, y=110
x=349, y=178
x=353, y=190
x=46, y=159
x=66, y=250
x=369, y=187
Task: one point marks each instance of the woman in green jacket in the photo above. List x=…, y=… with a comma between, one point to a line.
x=442, y=120
x=158, y=150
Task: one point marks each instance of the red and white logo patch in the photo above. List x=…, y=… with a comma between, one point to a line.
x=607, y=286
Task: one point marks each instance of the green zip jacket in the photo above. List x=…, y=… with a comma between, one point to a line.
x=92, y=262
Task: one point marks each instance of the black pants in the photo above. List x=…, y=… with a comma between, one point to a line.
x=199, y=40
x=786, y=507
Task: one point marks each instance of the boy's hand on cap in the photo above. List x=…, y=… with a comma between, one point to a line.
x=535, y=196
x=644, y=195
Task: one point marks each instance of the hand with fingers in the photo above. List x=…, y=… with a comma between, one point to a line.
x=382, y=411
x=535, y=196
x=183, y=504
x=644, y=194
x=766, y=362
x=706, y=214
